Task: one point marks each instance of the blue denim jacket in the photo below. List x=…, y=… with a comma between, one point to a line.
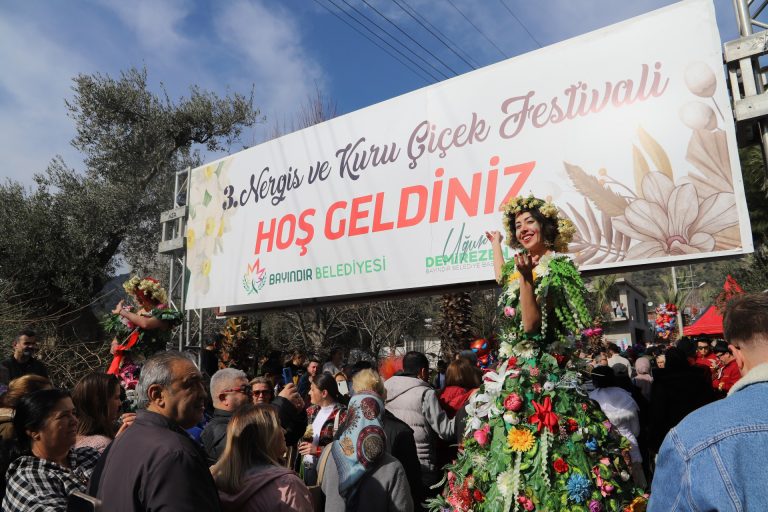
x=716, y=459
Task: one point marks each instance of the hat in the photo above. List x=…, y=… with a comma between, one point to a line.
x=720, y=347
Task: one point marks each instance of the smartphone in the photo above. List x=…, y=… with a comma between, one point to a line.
x=287, y=376
x=343, y=387
x=81, y=502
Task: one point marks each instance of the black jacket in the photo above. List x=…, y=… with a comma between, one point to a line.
x=214, y=435
x=402, y=446
x=674, y=394
x=154, y=465
x=16, y=369
x=294, y=421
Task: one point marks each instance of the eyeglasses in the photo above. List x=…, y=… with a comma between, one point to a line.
x=244, y=389
x=260, y=392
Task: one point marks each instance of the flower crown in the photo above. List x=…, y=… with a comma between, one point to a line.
x=520, y=204
x=146, y=289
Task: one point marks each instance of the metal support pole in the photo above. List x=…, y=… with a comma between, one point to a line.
x=679, y=314
x=187, y=336
x=753, y=80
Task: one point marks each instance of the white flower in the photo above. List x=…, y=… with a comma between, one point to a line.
x=511, y=418
x=524, y=349
x=479, y=460
x=505, y=350
x=549, y=385
x=624, y=476
x=506, y=483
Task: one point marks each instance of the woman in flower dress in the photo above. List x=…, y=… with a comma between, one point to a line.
x=534, y=440
x=149, y=322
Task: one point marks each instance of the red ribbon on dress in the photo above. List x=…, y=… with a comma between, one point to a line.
x=544, y=417
x=120, y=350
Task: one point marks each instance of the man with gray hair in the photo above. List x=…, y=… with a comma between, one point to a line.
x=229, y=391
x=155, y=465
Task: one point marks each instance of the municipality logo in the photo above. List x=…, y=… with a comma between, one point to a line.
x=254, y=279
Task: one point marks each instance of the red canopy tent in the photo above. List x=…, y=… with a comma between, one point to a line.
x=711, y=321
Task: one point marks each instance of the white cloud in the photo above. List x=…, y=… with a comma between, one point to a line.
x=156, y=25
x=34, y=126
x=269, y=42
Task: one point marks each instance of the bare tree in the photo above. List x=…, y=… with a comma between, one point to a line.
x=383, y=323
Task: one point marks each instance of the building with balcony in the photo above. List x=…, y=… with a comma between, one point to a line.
x=628, y=314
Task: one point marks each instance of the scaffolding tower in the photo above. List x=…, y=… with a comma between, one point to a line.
x=747, y=74
x=187, y=336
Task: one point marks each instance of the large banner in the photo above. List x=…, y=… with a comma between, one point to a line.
x=627, y=129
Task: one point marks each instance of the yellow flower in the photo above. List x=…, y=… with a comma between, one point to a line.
x=190, y=238
x=520, y=439
x=516, y=276
x=210, y=226
x=206, y=267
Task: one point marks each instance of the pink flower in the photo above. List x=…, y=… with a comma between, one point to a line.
x=537, y=388
x=606, y=461
x=534, y=371
x=481, y=435
x=513, y=402
x=509, y=311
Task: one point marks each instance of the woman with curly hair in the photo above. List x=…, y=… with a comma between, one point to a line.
x=533, y=439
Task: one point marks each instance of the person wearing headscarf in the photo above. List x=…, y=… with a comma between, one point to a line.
x=643, y=379
x=359, y=474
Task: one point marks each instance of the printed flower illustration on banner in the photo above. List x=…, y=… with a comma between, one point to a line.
x=673, y=220
x=663, y=215
x=207, y=221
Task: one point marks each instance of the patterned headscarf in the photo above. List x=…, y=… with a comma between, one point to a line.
x=360, y=442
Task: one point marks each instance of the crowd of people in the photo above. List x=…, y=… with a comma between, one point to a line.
x=545, y=420
x=227, y=441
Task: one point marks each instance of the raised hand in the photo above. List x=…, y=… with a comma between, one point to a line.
x=494, y=236
x=525, y=263
x=118, y=308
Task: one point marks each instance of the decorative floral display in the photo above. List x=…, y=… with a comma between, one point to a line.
x=666, y=321
x=519, y=204
x=148, y=288
x=533, y=438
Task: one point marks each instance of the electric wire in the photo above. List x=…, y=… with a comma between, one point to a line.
x=406, y=34
x=416, y=71
x=509, y=9
x=395, y=39
x=436, y=36
x=478, y=29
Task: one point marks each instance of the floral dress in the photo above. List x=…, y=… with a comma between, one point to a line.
x=534, y=440
x=129, y=335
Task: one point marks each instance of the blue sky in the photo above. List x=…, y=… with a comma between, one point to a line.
x=284, y=49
